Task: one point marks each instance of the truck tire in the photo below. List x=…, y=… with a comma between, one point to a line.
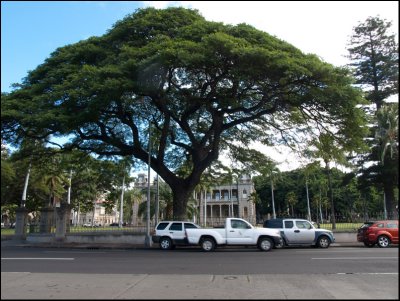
x=323, y=242
x=265, y=244
x=165, y=243
x=207, y=244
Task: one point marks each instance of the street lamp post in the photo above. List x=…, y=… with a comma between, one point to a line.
x=157, y=201
x=308, y=203
x=23, y=200
x=69, y=187
x=121, y=206
x=22, y=212
x=273, y=201
x=147, y=240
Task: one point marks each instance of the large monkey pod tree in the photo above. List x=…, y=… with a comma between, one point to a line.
x=199, y=86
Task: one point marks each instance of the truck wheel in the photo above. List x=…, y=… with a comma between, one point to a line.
x=323, y=242
x=265, y=244
x=383, y=241
x=165, y=243
x=207, y=244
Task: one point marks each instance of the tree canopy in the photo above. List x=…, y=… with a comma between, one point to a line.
x=198, y=86
x=374, y=55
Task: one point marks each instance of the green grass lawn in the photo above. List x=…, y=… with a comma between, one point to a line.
x=342, y=226
x=7, y=231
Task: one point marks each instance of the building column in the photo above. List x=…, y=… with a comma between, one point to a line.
x=201, y=209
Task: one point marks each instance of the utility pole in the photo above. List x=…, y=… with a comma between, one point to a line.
x=147, y=241
x=23, y=200
x=69, y=187
x=273, y=201
x=121, y=206
x=157, y=200
x=308, y=202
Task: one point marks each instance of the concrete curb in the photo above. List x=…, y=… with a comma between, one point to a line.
x=123, y=246
x=342, y=239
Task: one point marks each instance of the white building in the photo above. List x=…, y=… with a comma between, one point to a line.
x=98, y=216
x=222, y=201
x=230, y=200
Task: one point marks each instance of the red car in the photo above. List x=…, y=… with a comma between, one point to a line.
x=383, y=233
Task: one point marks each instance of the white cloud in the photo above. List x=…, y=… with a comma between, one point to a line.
x=319, y=27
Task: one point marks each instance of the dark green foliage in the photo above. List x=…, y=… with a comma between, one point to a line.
x=375, y=61
x=375, y=58
x=199, y=84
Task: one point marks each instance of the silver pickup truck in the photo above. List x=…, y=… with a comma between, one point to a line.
x=238, y=232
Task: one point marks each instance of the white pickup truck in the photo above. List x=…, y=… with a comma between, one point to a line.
x=236, y=232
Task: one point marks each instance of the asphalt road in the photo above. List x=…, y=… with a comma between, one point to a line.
x=189, y=273
x=224, y=261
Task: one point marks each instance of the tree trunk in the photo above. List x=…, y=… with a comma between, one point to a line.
x=180, y=200
x=390, y=201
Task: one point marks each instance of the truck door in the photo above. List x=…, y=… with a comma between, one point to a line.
x=238, y=232
x=299, y=232
x=177, y=232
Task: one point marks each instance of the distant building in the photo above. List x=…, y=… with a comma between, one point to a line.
x=220, y=201
x=98, y=216
x=229, y=200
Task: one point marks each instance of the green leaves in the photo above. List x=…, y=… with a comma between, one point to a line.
x=375, y=59
x=200, y=84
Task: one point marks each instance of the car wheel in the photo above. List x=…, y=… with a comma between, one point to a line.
x=165, y=243
x=323, y=242
x=207, y=244
x=369, y=245
x=383, y=241
x=265, y=244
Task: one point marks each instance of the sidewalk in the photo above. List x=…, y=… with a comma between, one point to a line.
x=51, y=286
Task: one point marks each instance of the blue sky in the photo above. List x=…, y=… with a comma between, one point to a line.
x=32, y=30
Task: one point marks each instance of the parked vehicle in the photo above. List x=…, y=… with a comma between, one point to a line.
x=382, y=233
x=171, y=233
x=236, y=232
x=95, y=224
x=300, y=232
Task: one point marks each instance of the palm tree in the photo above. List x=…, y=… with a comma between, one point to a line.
x=387, y=135
x=271, y=170
x=388, y=128
x=329, y=151
x=291, y=199
x=307, y=171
